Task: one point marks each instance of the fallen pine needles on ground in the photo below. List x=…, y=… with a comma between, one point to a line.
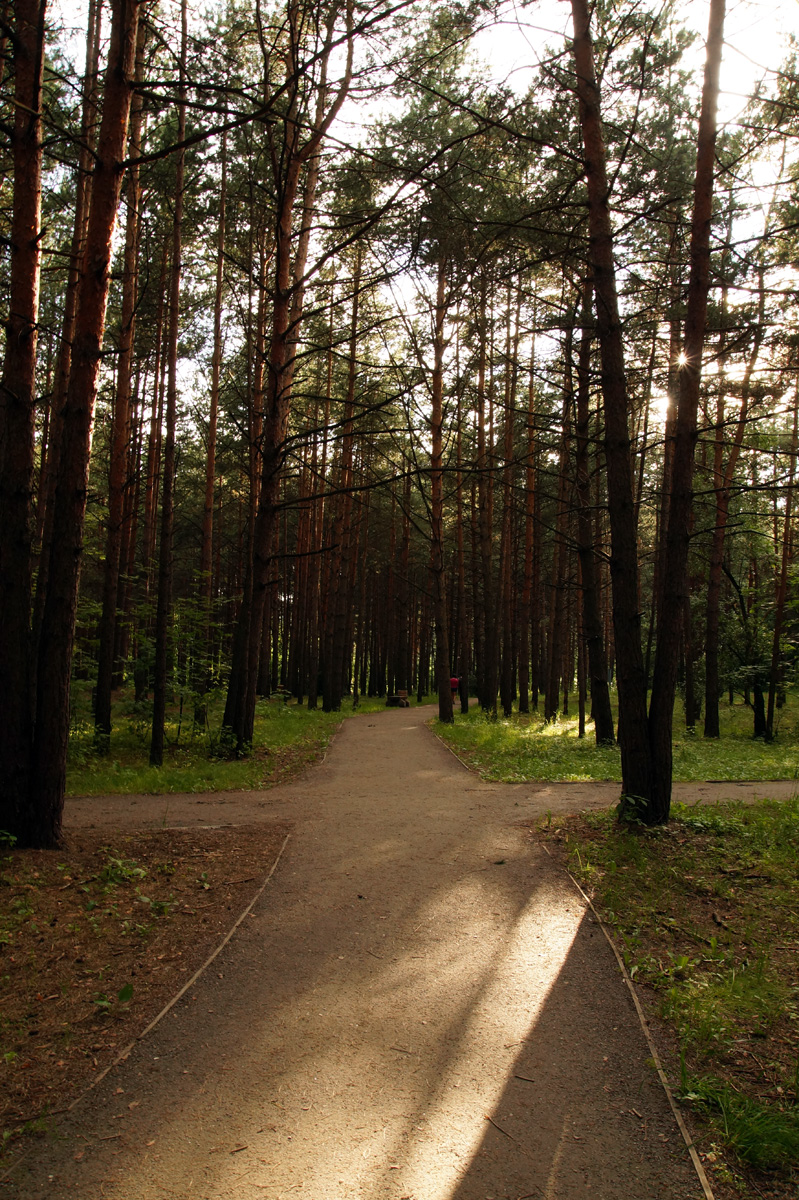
x=96, y=938
x=706, y=915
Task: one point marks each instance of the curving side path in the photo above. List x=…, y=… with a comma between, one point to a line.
x=419, y=1008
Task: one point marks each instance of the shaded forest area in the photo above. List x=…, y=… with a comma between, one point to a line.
x=334, y=366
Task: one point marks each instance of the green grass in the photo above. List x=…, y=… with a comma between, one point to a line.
x=706, y=915
x=287, y=738
x=760, y=1135
x=524, y=748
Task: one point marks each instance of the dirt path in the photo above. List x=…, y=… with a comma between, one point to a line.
x=420, y=1008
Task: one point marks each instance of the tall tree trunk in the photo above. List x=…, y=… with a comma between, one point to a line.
x=485, y=493
x=58, y=624
x=153, y=467
x=337, y=650
x=17, y=420
x=591, y=623
x=633, y=734
x=506, y=548
x=318, y=590
x=89, y=100
x=287, y=307
x=120, y=435
x=437, y=502
x=207, y=550
x=559, y=590
x=527, y=565
x=722, y=480
x=667, y=648
x=782, y=583
x=165, y=564
x=465, y=640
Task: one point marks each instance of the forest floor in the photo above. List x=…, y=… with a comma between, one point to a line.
x=410, y=1010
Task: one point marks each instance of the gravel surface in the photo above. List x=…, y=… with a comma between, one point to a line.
x=419, y=1008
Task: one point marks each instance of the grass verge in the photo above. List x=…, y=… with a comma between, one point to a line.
x=706, y=915
x=288, y=738
x=522, y=748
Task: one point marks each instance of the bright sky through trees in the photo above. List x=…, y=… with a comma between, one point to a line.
x=757, y=35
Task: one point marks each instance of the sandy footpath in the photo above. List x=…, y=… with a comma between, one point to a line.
x=419, y=1008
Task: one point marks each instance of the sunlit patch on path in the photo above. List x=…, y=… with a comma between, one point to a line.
x=419, y=1008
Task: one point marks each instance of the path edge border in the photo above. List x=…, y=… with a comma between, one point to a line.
x=123, y=1054
x=678, y=1117
x=128, y=1050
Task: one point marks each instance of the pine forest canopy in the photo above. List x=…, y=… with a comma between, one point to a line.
x=341, y=360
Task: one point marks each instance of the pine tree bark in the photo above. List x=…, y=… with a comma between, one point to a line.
x=506, y=546
x=120, y=435
x=17, y=420
x=782, y=582
x=464, y=657
x=559, y=590
x=153, y=465
x=291, y=158
x=89, y=101
x=207, y=548
x=337, y=649
x=664, y=678
x=317, y=583
x=165, y=549
x=525, y=610
x=722, y=479
x=58, y=625
x=637, y=780
x=591, y=623
x=437, y=502
x=489, y=666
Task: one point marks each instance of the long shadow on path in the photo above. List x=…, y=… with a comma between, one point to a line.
x=419, y=1008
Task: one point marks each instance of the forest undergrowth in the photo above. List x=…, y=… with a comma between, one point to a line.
x=287, y=738
x=704, y=912
x=522, y=748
